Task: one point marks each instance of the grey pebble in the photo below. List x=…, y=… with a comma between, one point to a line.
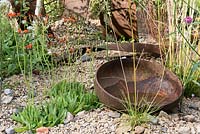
x=8, y=91
x=153, y=119
x=10, y=130
x=85, y=58
x=69, y=118
x=193, y=106
x=16, y=110
x=164, y=129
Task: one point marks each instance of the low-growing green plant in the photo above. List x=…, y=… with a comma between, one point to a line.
x=64, y=97
x=48, y=114
x=75, y=98
x=30, y=118
x=53, y=112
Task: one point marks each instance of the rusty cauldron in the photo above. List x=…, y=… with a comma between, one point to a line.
x=154, y=83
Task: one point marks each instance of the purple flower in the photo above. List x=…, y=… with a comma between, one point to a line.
x=188, y=20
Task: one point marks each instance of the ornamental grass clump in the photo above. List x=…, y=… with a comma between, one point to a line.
x=183, y=54
x=175, y=26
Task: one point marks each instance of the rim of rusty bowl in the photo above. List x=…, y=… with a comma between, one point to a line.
x=123, y=101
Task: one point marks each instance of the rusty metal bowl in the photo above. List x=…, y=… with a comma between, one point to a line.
x=114, y=82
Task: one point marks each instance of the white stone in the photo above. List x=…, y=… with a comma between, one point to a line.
x=6, y=99
x=69, y=118
x=139, y=130
x=81, y=113
x=189, y=118
x=193, y=130
x=123, y=129
x=184, y=130
x=114, y=114
x=163, y=114
x=198, y=129
x=2, y=128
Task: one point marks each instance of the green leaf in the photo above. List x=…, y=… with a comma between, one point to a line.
x=197, y=83
x=21, y=129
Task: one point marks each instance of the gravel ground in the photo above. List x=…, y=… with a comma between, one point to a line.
x=101, y=120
